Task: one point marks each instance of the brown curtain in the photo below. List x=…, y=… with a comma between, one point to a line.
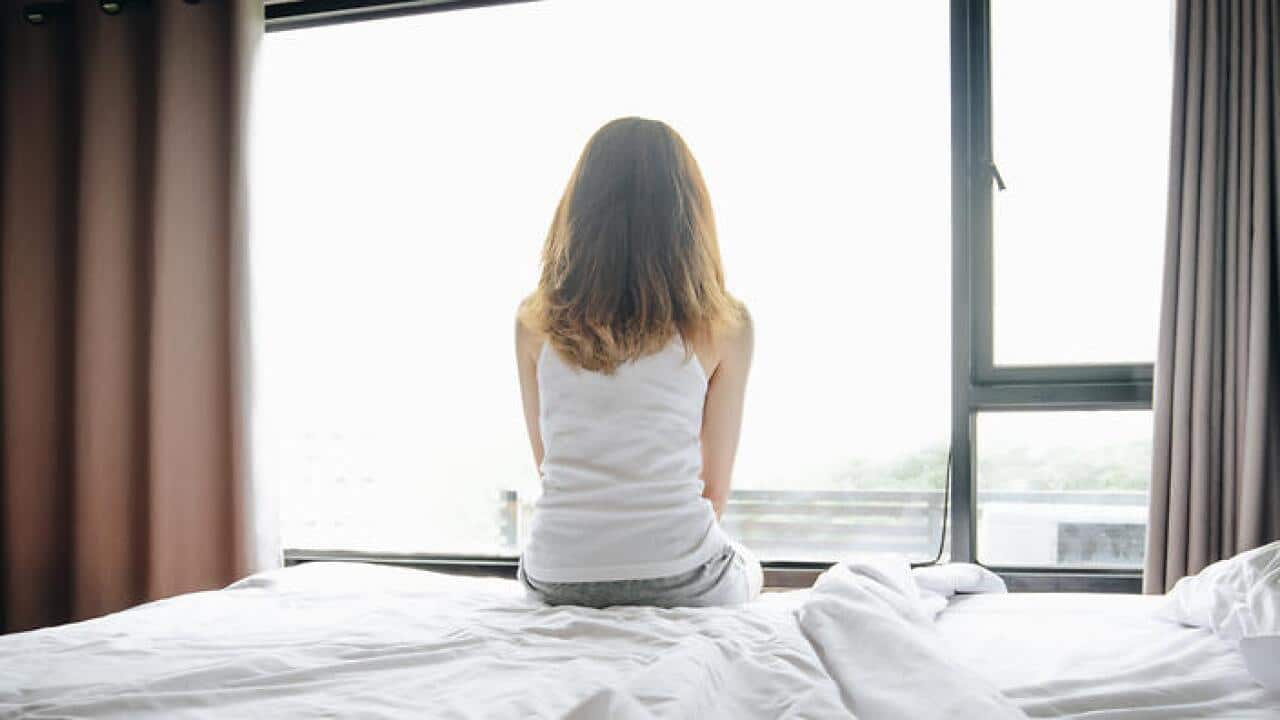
x=1215, y=488
x=121, y=247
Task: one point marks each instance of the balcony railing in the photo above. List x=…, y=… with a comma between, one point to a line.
x=1023, y=527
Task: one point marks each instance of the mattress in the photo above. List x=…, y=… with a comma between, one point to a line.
x=352, y=640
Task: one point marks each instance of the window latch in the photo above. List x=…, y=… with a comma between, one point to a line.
x=995, y=172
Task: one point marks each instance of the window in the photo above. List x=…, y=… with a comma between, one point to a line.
x=1079, y=139
x=407, y=170
x=1070, y=112
x=1063, y=488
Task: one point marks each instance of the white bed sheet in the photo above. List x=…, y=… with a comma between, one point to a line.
x=1101, y=656
x=349, y=640
x=359, y=641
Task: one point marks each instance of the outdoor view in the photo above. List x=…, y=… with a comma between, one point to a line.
x=404, y=174
x=1063, y=488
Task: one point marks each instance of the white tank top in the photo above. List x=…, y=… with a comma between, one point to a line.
x=621, y=471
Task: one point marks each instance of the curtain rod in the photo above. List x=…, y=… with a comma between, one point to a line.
x=298, y=14
x=40, y=13
x=287, y=14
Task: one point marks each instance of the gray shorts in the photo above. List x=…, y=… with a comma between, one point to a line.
x=733, y=576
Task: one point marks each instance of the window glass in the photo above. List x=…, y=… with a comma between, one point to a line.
x=405, y=172
x=1080, y=124
x=1063, y=488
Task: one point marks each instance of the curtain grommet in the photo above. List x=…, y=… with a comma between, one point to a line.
x=41, y=13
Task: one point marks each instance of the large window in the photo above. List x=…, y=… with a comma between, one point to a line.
x=407, y=170
x=1062, y=227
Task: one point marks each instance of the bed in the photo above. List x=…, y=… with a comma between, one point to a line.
x=366, y=641
x=1104, y=656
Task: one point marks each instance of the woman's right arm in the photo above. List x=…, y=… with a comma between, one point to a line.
x=722, y=413
x=528, y=346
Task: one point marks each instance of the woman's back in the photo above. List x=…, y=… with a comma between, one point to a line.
x=633, y=435
x=622, y=488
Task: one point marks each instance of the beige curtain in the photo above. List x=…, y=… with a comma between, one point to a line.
x=1215, y=488
x=121, y=252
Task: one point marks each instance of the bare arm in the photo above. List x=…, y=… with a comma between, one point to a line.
x=722, y=414
x=528, y=345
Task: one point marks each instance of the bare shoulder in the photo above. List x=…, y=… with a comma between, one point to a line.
x=732, y=344
x=528, y=338
x=740, y=337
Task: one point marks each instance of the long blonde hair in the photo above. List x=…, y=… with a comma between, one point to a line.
x=631, y=259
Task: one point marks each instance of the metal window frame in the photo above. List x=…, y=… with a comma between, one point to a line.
x=777, y=575
x=302, y=14
x=978, y=384
x=971, y=71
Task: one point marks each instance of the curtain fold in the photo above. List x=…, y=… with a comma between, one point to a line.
x=1215, y=487
x=123, y=323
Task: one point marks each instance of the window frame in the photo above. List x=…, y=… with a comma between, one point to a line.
x=978, y=384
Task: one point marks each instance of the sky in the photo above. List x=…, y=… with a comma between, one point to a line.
x=1081, y=139
x=404, y=173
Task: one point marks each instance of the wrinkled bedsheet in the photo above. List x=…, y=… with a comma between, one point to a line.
x=351, y=640
x=871, y=640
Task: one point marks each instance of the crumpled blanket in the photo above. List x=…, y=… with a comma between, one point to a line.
x=871, y=622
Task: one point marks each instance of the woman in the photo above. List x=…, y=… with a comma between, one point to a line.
x=633, y=363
